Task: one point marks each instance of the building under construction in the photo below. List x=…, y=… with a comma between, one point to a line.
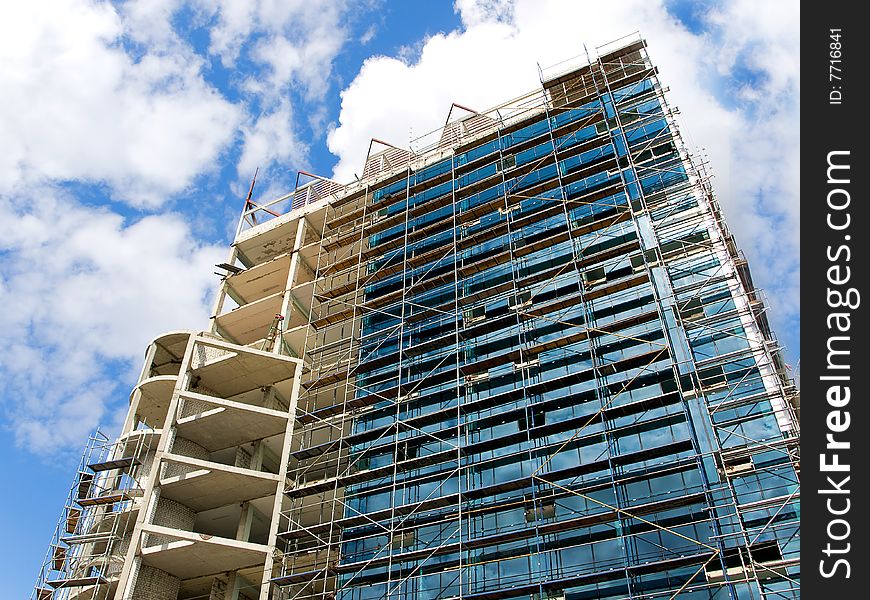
x=520, y=359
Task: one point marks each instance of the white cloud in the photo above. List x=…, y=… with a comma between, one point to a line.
x=83, y=292
x=294, y=44
x=149, y=22
x=270, y=139
x=97, y=93
x=95, y=96
x=77, y=106
x=763, y=191
x=368, y=35
x=303, y=56
x=477, y=12
x=491, y=60
x=291, y=45
x=297, y=39
x=749, y=133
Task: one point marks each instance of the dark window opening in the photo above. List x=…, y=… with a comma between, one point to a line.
x=405, y=451
x=531, y=417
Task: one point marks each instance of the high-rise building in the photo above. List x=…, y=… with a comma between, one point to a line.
x=525, y=361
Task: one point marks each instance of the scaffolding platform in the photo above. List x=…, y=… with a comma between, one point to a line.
x=117, y=463
x=77, y=582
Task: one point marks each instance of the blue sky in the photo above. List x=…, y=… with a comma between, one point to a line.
x=131, y=130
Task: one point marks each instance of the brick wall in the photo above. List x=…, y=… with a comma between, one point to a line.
x=218, y=590
x=243, y=458
x=184, y=447
x=170, y=513
x=154, y=584
x=191, y=406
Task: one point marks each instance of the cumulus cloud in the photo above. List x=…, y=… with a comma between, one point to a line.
x=270, y=139
x=476, y=12
x=296, y=41
x=294, y=45
x=115, y=104
x=115, y=94
x=96, y=93
x=735, y=83
x=115, y=101
x=83, y=290
x=77, y=106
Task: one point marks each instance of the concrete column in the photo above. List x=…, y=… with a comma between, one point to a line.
x=266, y=583
x=151, y=492
x=257, y=452
x=243, y=531
x=218, y=589
x=222, y=294
x=287, y=304
x=269, y=397
x=233, y=585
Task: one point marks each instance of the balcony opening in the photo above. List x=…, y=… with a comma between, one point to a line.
x=531, y=417
x=540, y=509
x=733, y=467
x=406, y=451
x=594, y=277
x=738, y=563
x=403, y=539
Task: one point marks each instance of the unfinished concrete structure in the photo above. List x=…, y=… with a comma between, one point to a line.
x=185, y=502
x=525, y=360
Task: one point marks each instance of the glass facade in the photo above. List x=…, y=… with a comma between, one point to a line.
x=537, y=368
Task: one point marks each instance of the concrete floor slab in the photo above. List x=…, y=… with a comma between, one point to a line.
x=249, y=323
x=156, y=392
x=237, y=371
x=195, y=555
x=211, y=485
x=228, y=423
x=262, y=280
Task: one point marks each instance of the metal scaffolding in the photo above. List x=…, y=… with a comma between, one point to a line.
x=532, y=364
x=399, y=341
x=96, y=525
